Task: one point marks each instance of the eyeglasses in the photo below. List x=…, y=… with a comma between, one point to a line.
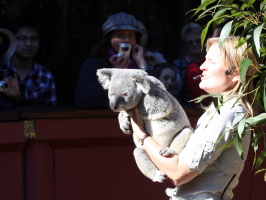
x=24, y=39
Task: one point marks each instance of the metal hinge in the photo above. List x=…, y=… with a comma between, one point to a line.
x=29, y=130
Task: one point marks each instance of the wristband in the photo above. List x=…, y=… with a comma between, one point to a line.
x=141, y=140
x=144, y=67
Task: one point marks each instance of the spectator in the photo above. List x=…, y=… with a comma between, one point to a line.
x=29, y=82
x=192, y=53
x=119, y=28
x=192, y=85
x=152, y=57
x=166, y=74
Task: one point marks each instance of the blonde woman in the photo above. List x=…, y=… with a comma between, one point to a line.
x=202, y=171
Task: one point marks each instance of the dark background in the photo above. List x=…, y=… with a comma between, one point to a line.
x=71, y=27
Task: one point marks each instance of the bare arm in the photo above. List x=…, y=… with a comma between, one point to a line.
x=177, y=171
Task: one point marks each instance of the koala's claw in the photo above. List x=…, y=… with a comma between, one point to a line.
x=124, y=123
x=159, y=177
x=166, y=151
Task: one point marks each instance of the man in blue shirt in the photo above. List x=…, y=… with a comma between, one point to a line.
x=29, y=82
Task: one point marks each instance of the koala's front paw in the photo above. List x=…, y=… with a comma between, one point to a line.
x=166, y=151
x=159, y=177
x=124, y=123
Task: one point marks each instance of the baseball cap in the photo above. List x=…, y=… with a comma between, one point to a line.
x=8, y=44
x=120, y=21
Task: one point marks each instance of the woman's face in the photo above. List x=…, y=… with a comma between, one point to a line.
x=167, y=77
x=122, y=36
x=193, y=43
x=214, y=79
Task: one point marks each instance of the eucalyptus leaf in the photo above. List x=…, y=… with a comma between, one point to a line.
x=262, y=88
x=220, y=12
x=237, y=14
x=241, y=41
x=257, y=120
x=216, y=104
x=241, y=127
x=208, y=10
x=225, y=32
x=203, y=5
x=226, y=145
x=205, y=30
x=238, y=144
x=244, y=6
x=238, y=117
x=261, y=170
x=256, y=36
x=250, y=2
x=262, y=6
x=244, y=65
x=256, y=139
x=260, y=158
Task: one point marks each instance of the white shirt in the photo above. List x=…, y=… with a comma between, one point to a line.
x=216, y=167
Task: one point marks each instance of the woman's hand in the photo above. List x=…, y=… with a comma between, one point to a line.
x=138, y=55
x=13, y=90
x=137, y=124
x=121, y=62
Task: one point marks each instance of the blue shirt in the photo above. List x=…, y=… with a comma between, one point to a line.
x=37, y=88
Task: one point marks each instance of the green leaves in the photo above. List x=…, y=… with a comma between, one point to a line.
x=261, y=158
x=238, y=144
x=248, y=21
x=262, y=91
x=257, y=121
x=203, y=5
x=244, y=65
x=256, y=37
x=225, y=32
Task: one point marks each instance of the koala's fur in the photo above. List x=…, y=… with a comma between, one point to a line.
x=165, y=120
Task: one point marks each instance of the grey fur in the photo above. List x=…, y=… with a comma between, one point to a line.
x=164, y=118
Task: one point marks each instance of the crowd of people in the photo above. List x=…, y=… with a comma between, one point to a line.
x=201, y=171
x=32, y=84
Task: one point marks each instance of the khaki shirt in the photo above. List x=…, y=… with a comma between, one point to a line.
x=202, y=154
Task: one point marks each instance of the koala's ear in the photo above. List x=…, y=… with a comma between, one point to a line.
x=104, y=77
x=142, y=82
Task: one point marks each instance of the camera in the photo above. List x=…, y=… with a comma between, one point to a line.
x=4, y=86
x=124, y=48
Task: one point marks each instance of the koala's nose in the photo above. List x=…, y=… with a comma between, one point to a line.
x=113, y=102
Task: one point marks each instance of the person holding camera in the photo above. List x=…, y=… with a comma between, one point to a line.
x=119, y=48
x=29, y=82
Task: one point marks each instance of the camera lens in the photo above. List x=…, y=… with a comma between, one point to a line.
x=124, y=49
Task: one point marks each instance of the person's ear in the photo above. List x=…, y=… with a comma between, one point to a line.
x=236, y=78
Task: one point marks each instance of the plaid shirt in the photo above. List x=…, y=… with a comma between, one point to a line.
x=37, y=88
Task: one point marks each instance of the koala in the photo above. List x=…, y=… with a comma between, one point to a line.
x=164, y=119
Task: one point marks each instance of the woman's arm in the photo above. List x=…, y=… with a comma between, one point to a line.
x=176, y=171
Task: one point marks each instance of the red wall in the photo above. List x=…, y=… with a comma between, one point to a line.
x=78, y=155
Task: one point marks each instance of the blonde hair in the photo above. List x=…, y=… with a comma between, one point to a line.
x=232, y=58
